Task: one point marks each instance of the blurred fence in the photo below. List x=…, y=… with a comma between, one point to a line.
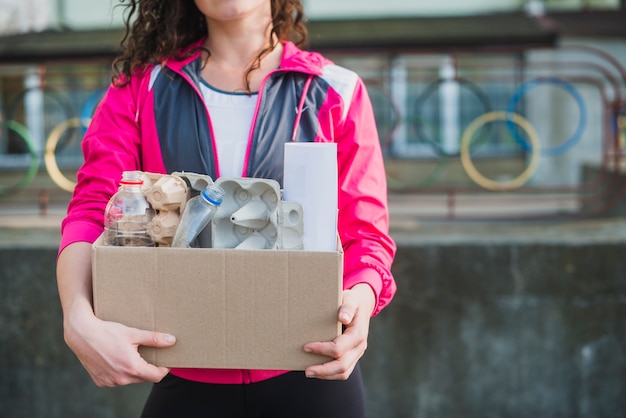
x=524, y=133
x=44, y=112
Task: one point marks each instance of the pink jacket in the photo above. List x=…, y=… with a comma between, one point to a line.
x=158, y=123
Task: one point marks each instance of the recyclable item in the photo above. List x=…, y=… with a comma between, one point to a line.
x=248, y=212
x=237, y=307
x=310, y=179
x=163, y=227
x=128, y=214
x=198, y=212
x=291, y=226
x=168, y=193
x=253, y=216
x=228, y=308
x=254, y=241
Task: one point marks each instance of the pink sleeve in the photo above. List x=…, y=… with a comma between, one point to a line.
x=79, y=231
x=363, y=214
x=111, y=145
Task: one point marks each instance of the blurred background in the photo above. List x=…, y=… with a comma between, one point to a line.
x=503, y=126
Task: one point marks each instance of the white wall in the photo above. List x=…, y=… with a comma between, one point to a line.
x=90, y=14
x=19, y=16
x=25, y=15
x=577, y=4
x=365, y=8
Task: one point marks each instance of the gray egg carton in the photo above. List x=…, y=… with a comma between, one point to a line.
x=253, y=216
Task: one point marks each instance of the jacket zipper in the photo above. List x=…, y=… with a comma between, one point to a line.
x=260, y=98
x=305, y=91
x=208, y=115
x=300, y=109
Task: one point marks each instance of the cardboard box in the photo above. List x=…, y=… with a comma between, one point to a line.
x=243, y=309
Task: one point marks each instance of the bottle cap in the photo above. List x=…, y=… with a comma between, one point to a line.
x=213, y=194
x=132, y=182
x=132, y=178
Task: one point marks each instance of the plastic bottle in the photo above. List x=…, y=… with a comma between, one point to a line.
x=197, y=215
x=128, y=214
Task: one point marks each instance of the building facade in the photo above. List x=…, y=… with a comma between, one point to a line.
x=432, y=69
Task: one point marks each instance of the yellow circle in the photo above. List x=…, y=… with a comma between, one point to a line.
x=50, y=159
x=621, y=129
x=484, y=181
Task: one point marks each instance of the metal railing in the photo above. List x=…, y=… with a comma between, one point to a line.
x=505, y=124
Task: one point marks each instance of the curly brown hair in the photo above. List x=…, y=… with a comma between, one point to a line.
x=157, y=30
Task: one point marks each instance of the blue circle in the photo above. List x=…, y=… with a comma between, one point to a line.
x=90, y=105
x=582, y=123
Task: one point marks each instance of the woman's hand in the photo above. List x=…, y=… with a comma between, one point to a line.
x=108, y=351
x=348, y=348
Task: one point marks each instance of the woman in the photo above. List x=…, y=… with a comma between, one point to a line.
x=217, y=87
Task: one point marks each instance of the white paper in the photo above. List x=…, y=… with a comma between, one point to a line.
x=310, y=179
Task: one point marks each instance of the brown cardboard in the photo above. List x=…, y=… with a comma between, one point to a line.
x=248, y=309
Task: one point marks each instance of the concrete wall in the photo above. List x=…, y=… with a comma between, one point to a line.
x=514, y=322
x=517, y=330
x=41, y=377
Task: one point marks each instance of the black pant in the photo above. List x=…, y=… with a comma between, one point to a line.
x=291, y=395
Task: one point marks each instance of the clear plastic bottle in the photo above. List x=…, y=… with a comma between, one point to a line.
x=197, y=214
x=128, y=214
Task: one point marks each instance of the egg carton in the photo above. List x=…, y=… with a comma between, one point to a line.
x=253, y=216
x=168, y=194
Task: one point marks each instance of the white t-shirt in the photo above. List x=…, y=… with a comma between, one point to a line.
x=231, y=118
